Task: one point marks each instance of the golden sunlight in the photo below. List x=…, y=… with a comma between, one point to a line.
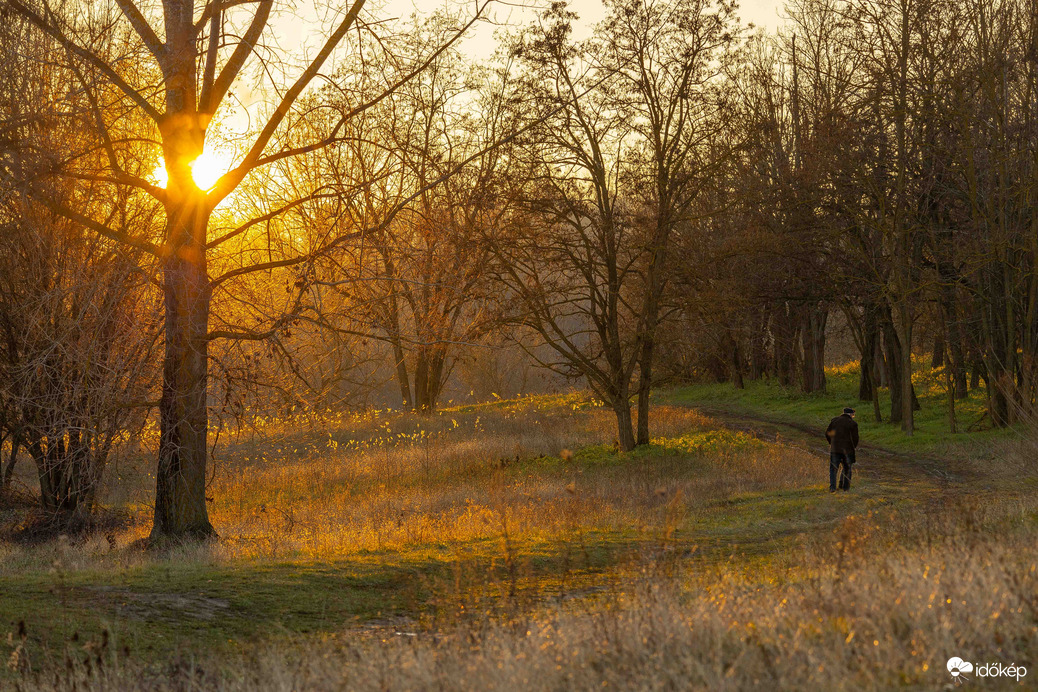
x=205, y=170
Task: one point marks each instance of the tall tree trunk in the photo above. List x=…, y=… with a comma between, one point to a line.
x=907, y=390
x=651, y=314
x=645, y=387
x=12, y=460
x=868, y=371
x=180, y=478
x=876, y=412
x=895, y=357
x=421, y=379
x=758, y=349
x=784, y=332
x=882, y=365
x=393, y=329
x=893, y=354
x=812, y=336
x=995, y=355
x=737, y=365
x=406, y=402
x=807, y=373
x=624, y=424
x=937, y=358
x=956, y=357
x=434, y=379
x=180, y=504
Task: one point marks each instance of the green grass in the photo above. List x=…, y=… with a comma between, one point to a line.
x=186, y=605
x=169, y=605
x=559, y=523
x=768, y=399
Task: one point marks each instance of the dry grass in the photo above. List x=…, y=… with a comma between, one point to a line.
x=874, y=605
x=874, y=593
x=407, y=481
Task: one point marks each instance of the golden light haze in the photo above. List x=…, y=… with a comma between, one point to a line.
x=205, y=170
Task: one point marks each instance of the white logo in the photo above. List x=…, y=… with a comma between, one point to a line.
x=956, y=666
x=958, y=669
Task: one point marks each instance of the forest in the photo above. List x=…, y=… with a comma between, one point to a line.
x=360, y=361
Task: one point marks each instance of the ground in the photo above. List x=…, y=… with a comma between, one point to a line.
x=512, y=542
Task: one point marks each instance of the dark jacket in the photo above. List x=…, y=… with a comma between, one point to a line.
x=842, y=434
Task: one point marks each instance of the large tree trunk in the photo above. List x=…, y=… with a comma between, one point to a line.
x=401, y=374
x=736, y=364
x=907, y=389
x=624, y=424
x=956, y=356
x=812, y=337
x=12, y=460
x=784, y=332
x=645, y=387
x=895, y=357
x=180, y=503
x=428, y=378
x=996, y=352
x=435, y=383
x=180, y=479
x=421, y=380
x=393, y=329
x=758, y=349
x=651, y=315
x=882, y=364
x=938, y=357
x=869, y=371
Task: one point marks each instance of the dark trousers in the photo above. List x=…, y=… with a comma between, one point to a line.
x=840, y=470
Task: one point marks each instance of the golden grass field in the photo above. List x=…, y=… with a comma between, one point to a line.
x=510, y=544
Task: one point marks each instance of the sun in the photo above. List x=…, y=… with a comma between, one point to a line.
x=205, y=170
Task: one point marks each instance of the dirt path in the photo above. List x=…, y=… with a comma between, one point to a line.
x=874, y=462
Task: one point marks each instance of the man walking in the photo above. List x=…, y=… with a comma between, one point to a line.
x=842, y=434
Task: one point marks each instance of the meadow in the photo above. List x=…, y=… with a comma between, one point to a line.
x=511, y=543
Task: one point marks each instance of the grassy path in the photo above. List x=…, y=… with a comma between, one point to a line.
x=875, y=461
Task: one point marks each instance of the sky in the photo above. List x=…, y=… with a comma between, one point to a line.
x=299, y=28
x=302, y=28
x=481, y=45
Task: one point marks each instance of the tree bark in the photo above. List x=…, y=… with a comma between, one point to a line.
x=812, y=336
x=785, y=339
x=12, y=460
x=624, y=424
x=956, y=358
x=938, y=356
x=645, y=388
x=421, y=379
x=401, y=374
x=737, y=365
x=895, y=356
x=907, y=389
x=758, y=349
x=868, y=371
x=180, y=503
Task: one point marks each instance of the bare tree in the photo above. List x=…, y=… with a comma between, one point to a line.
x=183, y=74
x=76, y=309
x=669, y=63
x=569, y=265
